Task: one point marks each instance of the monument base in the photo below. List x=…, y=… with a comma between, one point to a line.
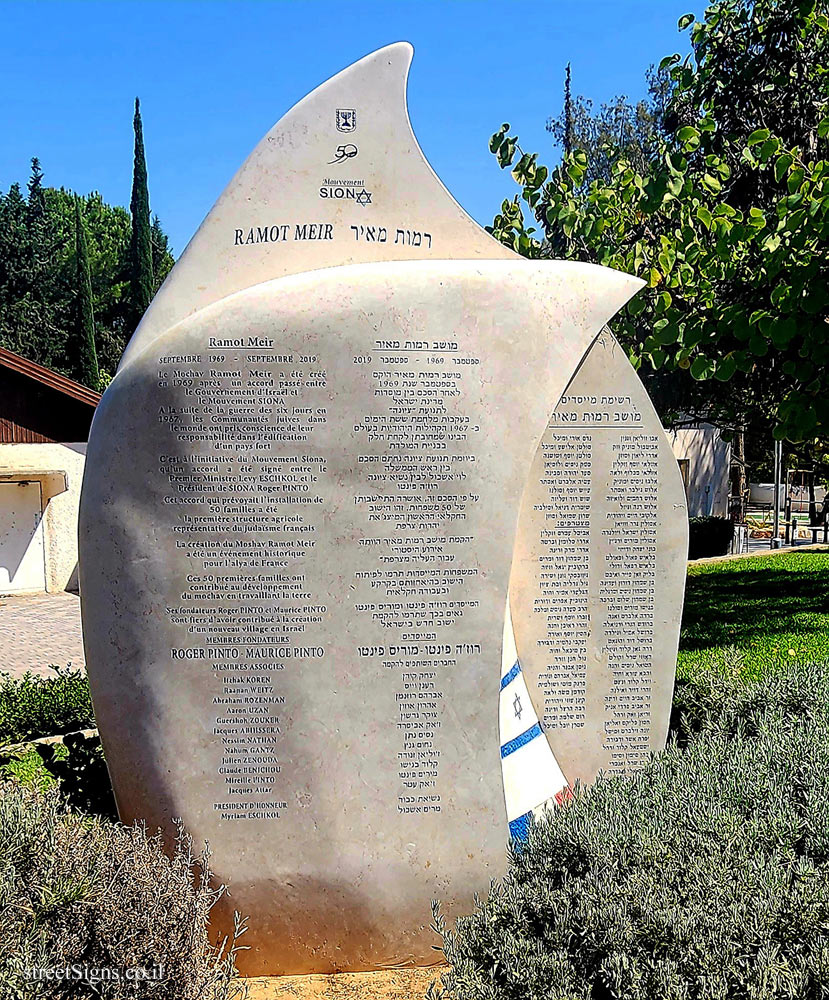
x=388, y=984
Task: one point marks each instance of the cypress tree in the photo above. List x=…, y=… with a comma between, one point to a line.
x=140, y=253
x=37, y=197
x=86, y=358
x=568, y=114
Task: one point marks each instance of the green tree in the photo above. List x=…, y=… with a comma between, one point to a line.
x=161, y=253
x=36, y=200
x=140, y=254
x=15, y=271
x=108, y=239
x=86, y=358
x=30, y=321
x=728, y=224
x=618, y=129
x=38, y=275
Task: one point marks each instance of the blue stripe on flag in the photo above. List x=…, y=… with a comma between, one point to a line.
x=519, y=829
x=521, y=740
x=511, y=674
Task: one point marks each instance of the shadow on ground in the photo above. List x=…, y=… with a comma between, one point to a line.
x=754, y=601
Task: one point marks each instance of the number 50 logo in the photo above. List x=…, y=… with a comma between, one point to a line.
x=344, y=152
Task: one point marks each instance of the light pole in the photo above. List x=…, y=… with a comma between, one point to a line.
x=778, y=462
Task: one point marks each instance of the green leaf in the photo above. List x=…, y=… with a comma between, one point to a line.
x=684, y=21
x=783, y=332
x=823, y=128
x=711, y=183
x=498, y=137
x=795, y=179
x=704, y=216
x=668, y=61
x=781, y=165
x=756, y=218
x=768, y=149
x=758, y=135
x=506, y=152
x=686, y=133
x=779, y=295
x=668, y=334
x=701, y=368
x=675, y=185
x=725, y=368
x=636, y=305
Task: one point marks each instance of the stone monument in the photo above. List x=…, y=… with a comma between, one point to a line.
x=358, y=462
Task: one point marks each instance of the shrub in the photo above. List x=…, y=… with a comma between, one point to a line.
x=82, y=892
x=709, y=536
x=80, y=769
x=75, y=766
x=33, y=706
x=704, y=877
x=25, y=765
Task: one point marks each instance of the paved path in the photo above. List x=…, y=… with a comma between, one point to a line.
x=390, y=984
x=39, y=630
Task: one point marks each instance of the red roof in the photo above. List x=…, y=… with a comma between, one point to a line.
x=49, y=378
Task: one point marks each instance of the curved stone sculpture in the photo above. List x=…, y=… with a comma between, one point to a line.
x=318, y=478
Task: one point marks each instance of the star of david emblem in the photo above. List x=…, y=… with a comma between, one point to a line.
x=363, y=197
x=519, y=708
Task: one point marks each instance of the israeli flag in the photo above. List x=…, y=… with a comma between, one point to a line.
x=533, y=781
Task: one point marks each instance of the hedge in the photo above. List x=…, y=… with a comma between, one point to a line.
x=84, y=901
x=704, y=877
x=32, y=706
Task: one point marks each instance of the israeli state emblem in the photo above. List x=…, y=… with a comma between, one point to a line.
x=346, y=119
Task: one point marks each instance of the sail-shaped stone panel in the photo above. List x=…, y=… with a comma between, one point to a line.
x=340, y=179
x=311, y=492
x=297, y=552
x=599, y=572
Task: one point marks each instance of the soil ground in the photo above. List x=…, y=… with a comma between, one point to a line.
x=391, y=984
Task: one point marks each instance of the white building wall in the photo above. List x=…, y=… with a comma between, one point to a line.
x=60, y=510
x=709, y=464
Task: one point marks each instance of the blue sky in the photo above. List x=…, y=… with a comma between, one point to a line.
x=213, y=76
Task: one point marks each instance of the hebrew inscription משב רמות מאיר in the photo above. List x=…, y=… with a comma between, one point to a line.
x=382, y=543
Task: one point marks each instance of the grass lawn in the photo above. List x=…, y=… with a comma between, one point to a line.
x=756, y=613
